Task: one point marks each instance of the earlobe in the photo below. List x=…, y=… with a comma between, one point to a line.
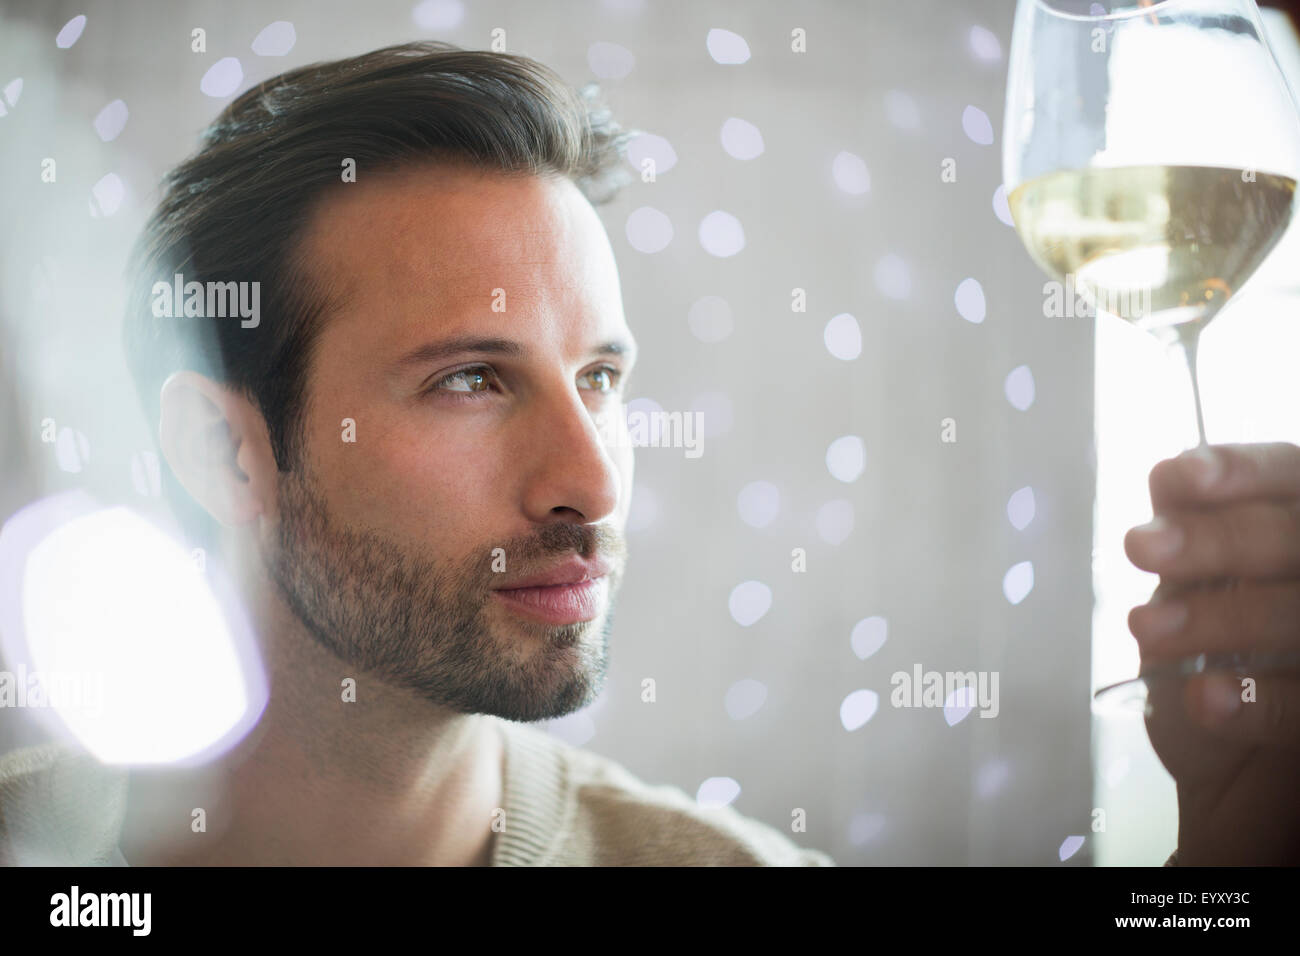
x=206, y=432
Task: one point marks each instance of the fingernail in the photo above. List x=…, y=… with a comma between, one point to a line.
x=1164, y=617
x=1160, y=539
x=1206, y=466
x=1221, y=698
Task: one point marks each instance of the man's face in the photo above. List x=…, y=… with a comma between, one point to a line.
x=474, y=467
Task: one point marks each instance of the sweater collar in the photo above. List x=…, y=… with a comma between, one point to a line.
x=78, y=805
x=537, y=796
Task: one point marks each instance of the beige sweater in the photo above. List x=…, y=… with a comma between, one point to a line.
x=563, y=807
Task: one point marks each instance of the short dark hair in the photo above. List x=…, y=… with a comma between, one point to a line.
x=235, y=211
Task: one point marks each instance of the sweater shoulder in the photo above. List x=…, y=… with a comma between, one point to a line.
x=618, y=819
x=58, y=806
x=27, y=774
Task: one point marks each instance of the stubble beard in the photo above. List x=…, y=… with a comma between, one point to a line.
x=427, y=626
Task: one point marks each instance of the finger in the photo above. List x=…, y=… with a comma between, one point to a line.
x=1236, y=615
x=1261, y=710
x=1253, y=539
x=1214, y=474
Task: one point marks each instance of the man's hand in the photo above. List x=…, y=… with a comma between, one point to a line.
x=1225, y=541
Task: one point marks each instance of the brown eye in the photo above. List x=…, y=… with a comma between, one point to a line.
x=609, y=377
x=474, y=377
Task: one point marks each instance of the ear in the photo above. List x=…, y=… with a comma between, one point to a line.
x=217, y=444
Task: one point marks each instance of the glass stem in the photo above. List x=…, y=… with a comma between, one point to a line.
x=1187, y=342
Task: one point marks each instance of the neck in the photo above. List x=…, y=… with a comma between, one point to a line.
x=387, y=779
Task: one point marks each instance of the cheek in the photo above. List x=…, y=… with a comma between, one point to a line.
x=454, y=478
x=421, y=481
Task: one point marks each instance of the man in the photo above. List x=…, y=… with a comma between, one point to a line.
x=410, y=452
x=436, y=285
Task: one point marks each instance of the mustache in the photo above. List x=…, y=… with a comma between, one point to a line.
x=536, y=552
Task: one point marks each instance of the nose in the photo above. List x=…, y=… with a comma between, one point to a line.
x=570, y=471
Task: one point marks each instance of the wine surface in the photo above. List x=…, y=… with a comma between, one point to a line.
x=1159, y=246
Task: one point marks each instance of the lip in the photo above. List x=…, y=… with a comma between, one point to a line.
x=573, y=571
x=558, y=603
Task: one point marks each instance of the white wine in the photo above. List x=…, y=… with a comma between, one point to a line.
x=1160, y=246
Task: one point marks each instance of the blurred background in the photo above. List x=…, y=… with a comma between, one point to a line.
x=823, y=266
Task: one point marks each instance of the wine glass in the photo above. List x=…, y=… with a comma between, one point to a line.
x=1150, y=158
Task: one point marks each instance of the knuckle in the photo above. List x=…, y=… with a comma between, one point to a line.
x=1229, y=541
x=1284, y=456
x=1227, y=607
x=1217, y=610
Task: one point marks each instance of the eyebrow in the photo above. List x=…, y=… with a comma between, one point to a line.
x=446, y=348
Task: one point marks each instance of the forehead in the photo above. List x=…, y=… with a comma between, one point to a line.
x=449, y=236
